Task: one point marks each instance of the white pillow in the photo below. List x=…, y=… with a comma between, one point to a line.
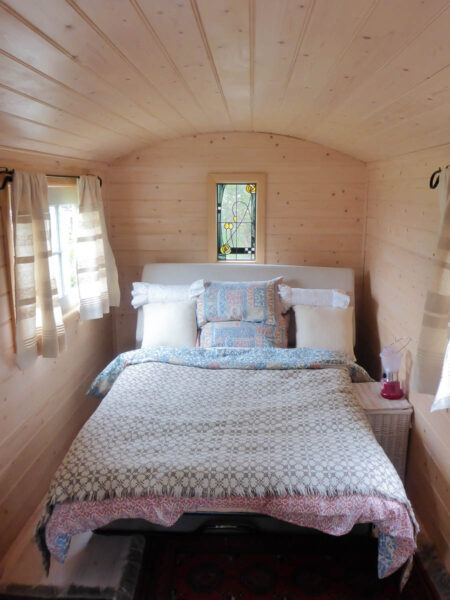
x=170, y=324
x=324, y=327
x=144, y=293
x=292, y=296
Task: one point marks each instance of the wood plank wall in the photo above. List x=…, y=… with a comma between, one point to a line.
x=42, y=409
x=315, y=205
x=402, y=225
x=316, y=215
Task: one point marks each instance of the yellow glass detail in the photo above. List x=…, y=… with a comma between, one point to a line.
x=225, y=249
x=228, y=225
x=251, y=188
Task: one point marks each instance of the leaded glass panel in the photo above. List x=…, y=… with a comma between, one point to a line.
x=236, y=221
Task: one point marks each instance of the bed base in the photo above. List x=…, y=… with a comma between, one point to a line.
x=219, y=523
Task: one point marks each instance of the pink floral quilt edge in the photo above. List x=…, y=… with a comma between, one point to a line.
x=335, y=516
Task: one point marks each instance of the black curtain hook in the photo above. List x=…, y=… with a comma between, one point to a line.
x=434, y=179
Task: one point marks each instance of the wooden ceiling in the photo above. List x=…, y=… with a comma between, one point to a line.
x=96, y=79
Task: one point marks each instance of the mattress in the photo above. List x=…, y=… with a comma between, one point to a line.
x=272, y=431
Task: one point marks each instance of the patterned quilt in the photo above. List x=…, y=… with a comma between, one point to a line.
x=220, y=424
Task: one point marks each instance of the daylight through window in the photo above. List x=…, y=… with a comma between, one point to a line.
x=63, y=204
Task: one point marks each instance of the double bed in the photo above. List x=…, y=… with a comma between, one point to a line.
x=271, y=431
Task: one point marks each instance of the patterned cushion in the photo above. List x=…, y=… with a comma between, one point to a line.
x=241, y=334
x=254, y=301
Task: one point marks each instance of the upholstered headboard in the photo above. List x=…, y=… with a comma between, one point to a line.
x=295, y=276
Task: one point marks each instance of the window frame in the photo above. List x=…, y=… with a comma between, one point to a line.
x=260, y=246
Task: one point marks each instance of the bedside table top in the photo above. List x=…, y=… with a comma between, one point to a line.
x=368, y=395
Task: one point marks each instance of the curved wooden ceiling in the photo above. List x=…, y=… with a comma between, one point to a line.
x=96, y=79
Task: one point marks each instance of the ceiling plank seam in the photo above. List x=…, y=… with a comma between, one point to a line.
x=64, y=111
x=63, y=51
x=14, y=149
x=26, y=119
x=383, y=66
x=201, y=28
x=398, y=53
x=362, y=22
x=76, y=92
x=251, y=19
x=165, y=52
x=131, y=66
x=298, y=45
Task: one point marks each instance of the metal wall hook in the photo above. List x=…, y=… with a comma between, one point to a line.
x=434, y=179
x=8, y=176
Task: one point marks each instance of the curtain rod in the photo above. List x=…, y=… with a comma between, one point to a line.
x=10, y=173
x=434, y=179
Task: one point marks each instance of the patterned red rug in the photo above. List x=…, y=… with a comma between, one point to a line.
x=279, y=567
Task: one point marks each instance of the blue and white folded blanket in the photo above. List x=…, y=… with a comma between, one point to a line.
x=228, y=358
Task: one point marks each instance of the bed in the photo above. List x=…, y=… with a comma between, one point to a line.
x=271, y=431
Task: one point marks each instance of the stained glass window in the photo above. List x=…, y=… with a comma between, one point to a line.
x=236, y=221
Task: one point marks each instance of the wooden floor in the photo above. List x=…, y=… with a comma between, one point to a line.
x=23, y=548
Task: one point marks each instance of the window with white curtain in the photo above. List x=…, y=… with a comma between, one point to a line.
x=60, y=259
x=63, y=206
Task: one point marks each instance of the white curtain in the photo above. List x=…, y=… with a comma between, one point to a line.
x=98, y=282
x=442, y=398
x=39, y=324
x=432, y=372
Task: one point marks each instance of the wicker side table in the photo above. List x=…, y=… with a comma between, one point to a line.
x=390, y=421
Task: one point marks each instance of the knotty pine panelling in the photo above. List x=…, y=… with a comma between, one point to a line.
x=402, y=227
x=158, y=204
x=366, y=78
x=42, y=408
